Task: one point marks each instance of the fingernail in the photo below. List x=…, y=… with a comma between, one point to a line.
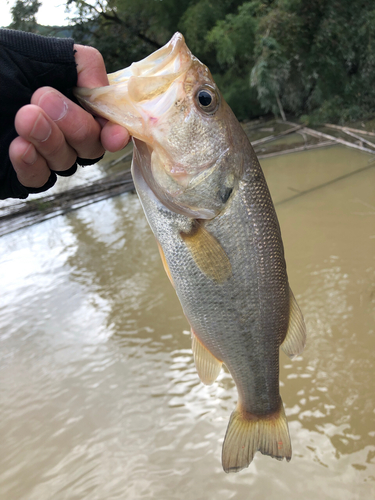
x=30, y=155
x=54, y=105
x=41, y=130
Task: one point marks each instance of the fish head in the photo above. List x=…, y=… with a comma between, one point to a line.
x=185, y=135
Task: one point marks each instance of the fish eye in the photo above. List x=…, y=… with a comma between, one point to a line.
x=207, y=100
x=204, y=98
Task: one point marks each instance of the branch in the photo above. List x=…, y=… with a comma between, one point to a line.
x=149, y=41
x=113, y=17
x=89, y=6
x=280, y=106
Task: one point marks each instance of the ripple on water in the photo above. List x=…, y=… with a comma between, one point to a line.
x=99, y=395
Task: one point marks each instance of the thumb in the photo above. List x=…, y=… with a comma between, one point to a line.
x=90, y=67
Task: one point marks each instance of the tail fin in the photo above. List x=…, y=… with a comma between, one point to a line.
x=248, y=433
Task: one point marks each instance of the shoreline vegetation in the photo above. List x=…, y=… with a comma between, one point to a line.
x=268, y=137
x=312, y=61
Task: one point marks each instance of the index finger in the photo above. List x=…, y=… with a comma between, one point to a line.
x=80, y=129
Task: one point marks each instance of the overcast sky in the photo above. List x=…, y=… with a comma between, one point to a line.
x=52, y=12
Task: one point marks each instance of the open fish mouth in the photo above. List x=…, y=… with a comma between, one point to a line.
x=172, y=58
x=137, y=96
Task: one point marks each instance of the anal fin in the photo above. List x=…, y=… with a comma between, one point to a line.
x=295, y=339
x=208, y=367
x=247, y=433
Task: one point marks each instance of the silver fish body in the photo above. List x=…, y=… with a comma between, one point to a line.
x=243, y=320
x=207, y=202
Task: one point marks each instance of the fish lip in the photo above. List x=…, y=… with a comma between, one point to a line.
x=175, y=52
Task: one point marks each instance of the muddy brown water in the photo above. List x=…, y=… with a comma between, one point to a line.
x=99, y=396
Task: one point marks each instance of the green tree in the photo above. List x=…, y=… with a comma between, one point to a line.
x=319, y=57
x=23, y=15
x=125, y=30
x=314, y=58
x=232, y=39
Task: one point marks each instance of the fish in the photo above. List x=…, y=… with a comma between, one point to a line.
x=207, y=202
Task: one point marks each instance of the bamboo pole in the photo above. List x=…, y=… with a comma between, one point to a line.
x=362, y=139
x=355, y=130
x=24, y=214
x=124, y=157
x=296, y=150
x=270, y=138
x=281, y=109
x=255, y=124
x=315, y=133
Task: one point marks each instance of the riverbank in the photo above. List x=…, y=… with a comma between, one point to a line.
x=112, y=177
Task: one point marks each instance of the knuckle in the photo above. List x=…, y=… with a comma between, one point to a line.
x=86, y=141
x=95, y=54
x=82, y=135
x=56, y=145
x=96, y=59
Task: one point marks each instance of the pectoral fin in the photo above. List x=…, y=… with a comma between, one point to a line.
x=208, y=367
x=296, y=336
x=165, y=264
x=208, y=254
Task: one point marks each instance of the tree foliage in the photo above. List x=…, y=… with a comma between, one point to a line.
x=314, y=58
x=319, y=56
x=125, y=30
x=23, y=15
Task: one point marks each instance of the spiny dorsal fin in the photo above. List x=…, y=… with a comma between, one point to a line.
x=165, y=264
x=208, y=254
x=246, y=434
x=208, y=367
x=295, y=339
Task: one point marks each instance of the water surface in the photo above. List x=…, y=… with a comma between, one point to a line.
x=99, y=396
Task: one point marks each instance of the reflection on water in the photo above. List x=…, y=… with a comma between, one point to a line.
x=99, y=395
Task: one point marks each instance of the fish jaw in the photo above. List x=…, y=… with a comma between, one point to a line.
x=137, y=96
x=190, y=150
x=174, y=57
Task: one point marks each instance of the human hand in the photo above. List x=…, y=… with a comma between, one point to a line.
x=54, y=131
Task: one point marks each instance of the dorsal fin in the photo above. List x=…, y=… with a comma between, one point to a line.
x=208, y=367
x=295, y=339
x=208, y=254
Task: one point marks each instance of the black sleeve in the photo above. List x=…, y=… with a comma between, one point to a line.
x=27, y=62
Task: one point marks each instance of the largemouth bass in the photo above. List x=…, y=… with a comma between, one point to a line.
x=207, y=202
